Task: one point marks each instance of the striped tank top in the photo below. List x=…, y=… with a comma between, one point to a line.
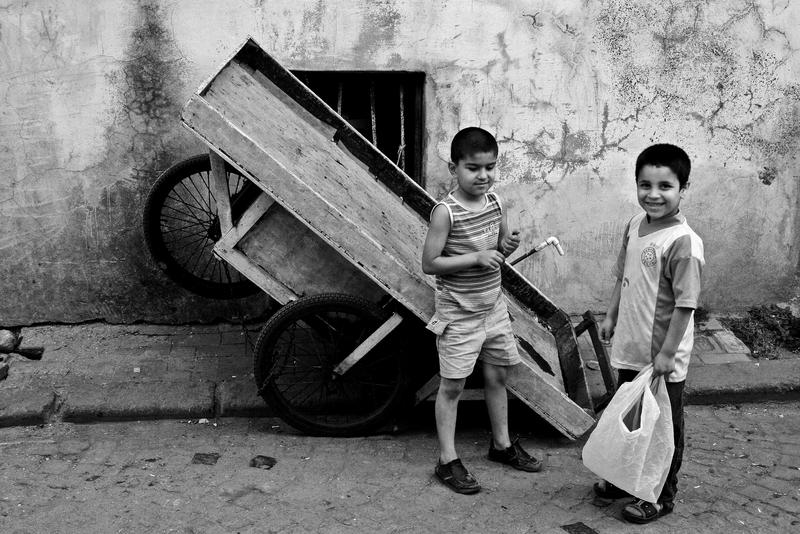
x=476, y=288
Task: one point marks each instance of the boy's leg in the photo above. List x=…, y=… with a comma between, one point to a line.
x=675, y=392
x=494, y=391
x=446, y=410
x=449, y=468
x=501, y=448
x=638, y=512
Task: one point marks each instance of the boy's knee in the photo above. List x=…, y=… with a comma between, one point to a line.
x=451, y=388
x=494, y=375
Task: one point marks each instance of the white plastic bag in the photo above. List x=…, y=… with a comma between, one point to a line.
x=633, y=443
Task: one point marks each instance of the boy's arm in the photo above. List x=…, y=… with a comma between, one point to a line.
x=664, y=362
x=432, y=260
x=507, y=242
x=684, y=267
x=610, y=320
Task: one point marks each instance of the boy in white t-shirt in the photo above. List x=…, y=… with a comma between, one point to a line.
x=652, y=307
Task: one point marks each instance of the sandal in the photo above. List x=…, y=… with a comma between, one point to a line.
x=606, y=490
x=456, y=477
x=642, y=512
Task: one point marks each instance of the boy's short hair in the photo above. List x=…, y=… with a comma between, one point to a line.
x=665, y=155
x=472, y=140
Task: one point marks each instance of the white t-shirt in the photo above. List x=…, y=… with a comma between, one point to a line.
x=660, y=265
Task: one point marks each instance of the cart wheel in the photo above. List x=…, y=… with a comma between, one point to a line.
x=297, y=352
x=181, y=227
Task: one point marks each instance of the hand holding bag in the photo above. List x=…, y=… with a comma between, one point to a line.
x=632, y=444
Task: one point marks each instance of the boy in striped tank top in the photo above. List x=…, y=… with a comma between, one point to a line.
x=652, y=306
x=468, y=239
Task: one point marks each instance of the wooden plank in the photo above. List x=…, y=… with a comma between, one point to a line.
x=293, y=254
x=279, y=292
x=428, y=388
x=368, y=344
x=609, y=377
x=471, y=394
x=394, y=266
x=570, y=363
x=313, y=159
x=535, y=343
x=222, y=194
x=526, y=383
x=248, y=219
x=551, y=404
x=225, y=248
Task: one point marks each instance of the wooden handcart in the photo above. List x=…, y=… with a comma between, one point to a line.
x=327, y=225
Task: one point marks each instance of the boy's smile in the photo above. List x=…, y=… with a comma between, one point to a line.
x=475, y=174
x=659, y=192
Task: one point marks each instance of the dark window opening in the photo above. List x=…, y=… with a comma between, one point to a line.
x=385, y=107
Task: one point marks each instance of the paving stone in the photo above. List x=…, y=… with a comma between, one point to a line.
x=787, y=473
x=73, y=446
x=239, y=397
x=234, y=338
x=712, y=324
x=703, y=344
x=182, y=352
x=777, y=485
x=205, y=338
x=787, y=503
x=711, y=358
x=224, y=351
x=729, y=343
x=54, y=466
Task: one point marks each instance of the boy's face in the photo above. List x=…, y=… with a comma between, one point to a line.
x=659, y=191
x=475, y=173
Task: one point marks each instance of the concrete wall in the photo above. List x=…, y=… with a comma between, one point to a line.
x=92, y=93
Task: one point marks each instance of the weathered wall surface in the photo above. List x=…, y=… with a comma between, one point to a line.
x=573, y=90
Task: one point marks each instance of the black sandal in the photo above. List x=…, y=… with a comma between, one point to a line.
x=645, y=512
x=609, y=491
x=456, y=477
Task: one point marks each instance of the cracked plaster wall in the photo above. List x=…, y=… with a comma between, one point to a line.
x=573, y=91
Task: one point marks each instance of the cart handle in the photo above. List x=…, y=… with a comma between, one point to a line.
x=552, y=240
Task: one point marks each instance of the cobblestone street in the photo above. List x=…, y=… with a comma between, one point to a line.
x=741, y=474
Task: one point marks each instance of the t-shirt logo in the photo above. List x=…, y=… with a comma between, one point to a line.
x=491, y=228
x=649, y=256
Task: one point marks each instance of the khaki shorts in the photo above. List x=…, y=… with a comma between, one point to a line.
x=464, y=337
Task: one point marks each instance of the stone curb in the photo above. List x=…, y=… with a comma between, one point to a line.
x=744, y=382
x=94, y=400
x=25, y=405
x=84, y=399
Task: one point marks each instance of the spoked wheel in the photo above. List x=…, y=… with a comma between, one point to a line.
x=181, y=226
x=295, y=360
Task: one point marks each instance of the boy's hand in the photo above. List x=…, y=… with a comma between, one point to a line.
x=509, y=243
x=606, y=329
x=491, y=259
x=663, y=364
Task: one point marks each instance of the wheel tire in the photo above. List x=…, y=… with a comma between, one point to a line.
x=307, y=339
x=181, y=227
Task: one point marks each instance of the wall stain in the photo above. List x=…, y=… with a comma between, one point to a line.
x=149, y=86
x=767, y=175
x=378, y=29
x=298, y=42
x=686, y=60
